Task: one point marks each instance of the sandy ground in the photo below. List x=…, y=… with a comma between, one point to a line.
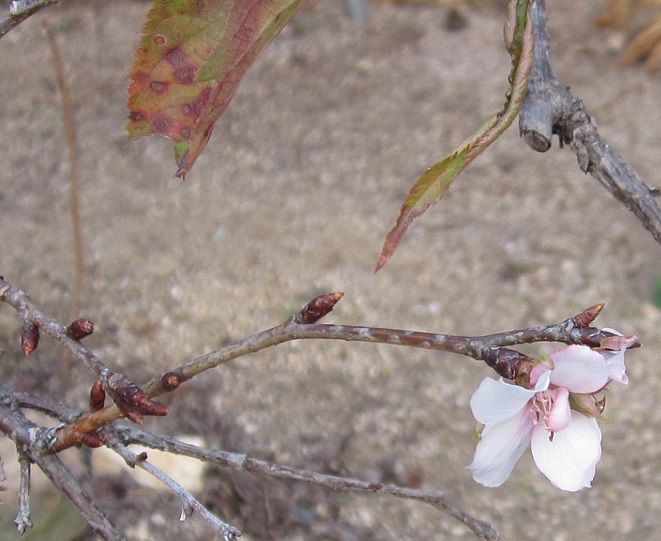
x=293, y=196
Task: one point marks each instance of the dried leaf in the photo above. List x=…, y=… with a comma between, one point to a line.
x=433, y=183
x=191, y=60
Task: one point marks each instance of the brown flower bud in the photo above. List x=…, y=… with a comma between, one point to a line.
x=97, y=396
x=79, y=329
x=29, y=337
x=318, y=307
x=170, y=381
x=587, y=316
x=91, y=440
x=132, y=401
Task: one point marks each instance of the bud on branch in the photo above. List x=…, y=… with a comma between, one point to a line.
x=29, y=337
x=318, y=308
x=79, y=329
x=132, y=401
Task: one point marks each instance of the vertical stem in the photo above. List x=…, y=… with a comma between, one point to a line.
x=72, y=146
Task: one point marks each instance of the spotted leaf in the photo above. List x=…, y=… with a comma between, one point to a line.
x=190, y=62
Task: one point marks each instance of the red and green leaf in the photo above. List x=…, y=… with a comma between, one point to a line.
x=192, y=58
x=434, y=182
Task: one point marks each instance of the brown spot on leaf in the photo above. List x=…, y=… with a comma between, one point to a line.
x=176, y=56
x=158, y=86
x=185, y=74
x=160, y=124
x=137, y=116
x=194, y=109
x=159, y=39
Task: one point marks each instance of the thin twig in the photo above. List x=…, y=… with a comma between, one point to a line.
x=24, y=306
x=190, y=503
x=241, y=462
x=19, y=10
x=30, y=438
x=68, y=485
x=23, y=521
x=74, y=197
x=130, y=398
x=551, y=108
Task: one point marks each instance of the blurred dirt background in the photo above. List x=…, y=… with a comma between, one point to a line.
x=293, y=196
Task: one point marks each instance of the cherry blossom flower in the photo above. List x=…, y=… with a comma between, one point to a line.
x=565, y=443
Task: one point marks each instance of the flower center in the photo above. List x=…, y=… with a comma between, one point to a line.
x=542, y=404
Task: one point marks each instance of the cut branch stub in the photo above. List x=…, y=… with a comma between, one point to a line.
x=318, y=307
x=132, y=401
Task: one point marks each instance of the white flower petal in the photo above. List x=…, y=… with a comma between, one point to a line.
x=570, y=460
x=500, y=448
x=579, y=369
x=496, y=401
x=616, y=366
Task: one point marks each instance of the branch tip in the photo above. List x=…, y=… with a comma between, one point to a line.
x=587, y=316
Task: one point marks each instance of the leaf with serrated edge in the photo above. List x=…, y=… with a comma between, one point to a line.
x=433, y=183
x=193, y=55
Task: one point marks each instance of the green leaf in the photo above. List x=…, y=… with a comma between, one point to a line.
x=192, y=58
x=434, y=182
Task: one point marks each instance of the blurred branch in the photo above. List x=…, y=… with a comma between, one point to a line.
x=23, y=521
x=19, y=10
x=550, y=108
x=189, y=502
x=243, y=463
x=33, y=442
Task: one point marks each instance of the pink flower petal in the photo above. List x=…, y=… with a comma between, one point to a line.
x=579, y=369
x=496, y=401
x=560, y=413
x=570, y=460
x=500, y=448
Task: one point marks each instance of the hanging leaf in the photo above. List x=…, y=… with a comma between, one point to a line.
x=190, y=62
x=433, y=183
